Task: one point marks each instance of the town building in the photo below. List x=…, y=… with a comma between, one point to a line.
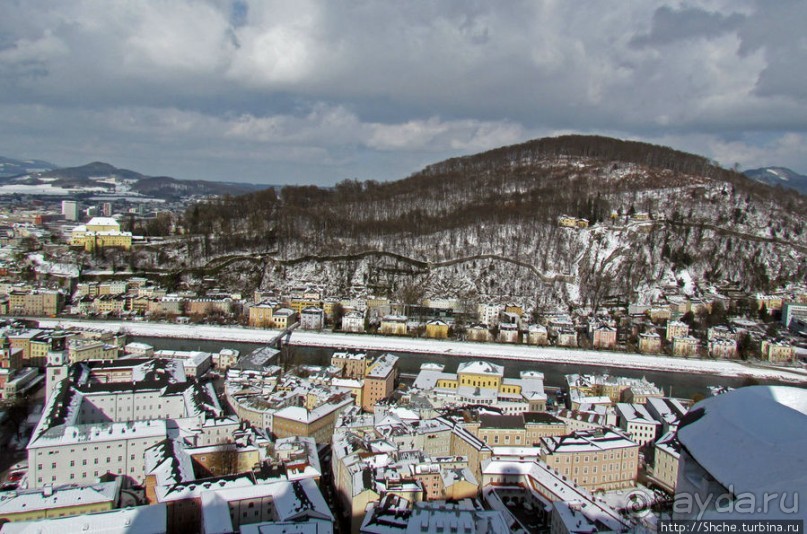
x=665, y=461
x=724, y=348
x=567, y=221
x=667, y=411
x=379, y=381
x=278, y=506
x=537, y=335
x=437, y=329
x=103, y=416
x=637, y=422
x=39, y=302
x=437, y=516
x=594, y=459
x=777, y=351
x=312, y=318
x=649, y=343
x=99, y=233
x=138, y=349
x=793, y=310
x=195, y=363
x=508, y=333
x=79, y=349
x=351, y=364
x=685, y=346
x=676, y=329
x=587, y=417
x=70, y=210
x=482, y=382
x=566, y=338
x=148, y=519
x=520, y=430
x=604, y=389
x=393, y=325
x=59, y=501
x=260, y=315
x=552, y=491
x=603, y=337
x=353, y=321
x=489, y=314
x=478, y=332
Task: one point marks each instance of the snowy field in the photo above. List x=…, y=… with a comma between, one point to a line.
x=490, y=351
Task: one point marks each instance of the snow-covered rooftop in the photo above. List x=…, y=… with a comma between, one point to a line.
x=102, y=221
x=58, y=497
x=588, y=440
x=751, y=439
x=481, y=368
x=150, y=519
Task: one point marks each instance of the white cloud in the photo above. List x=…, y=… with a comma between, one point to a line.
x=45, y=48
x=341, y=82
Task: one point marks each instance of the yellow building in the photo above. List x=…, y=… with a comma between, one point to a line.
x=59, y=501
x=35, y=302
x=379, y=382
x=478, y=332
x=394, y=325
x=351, y=385
x=685, y=346
x=594, y=459
x=480, y=374
x=676, y=329
x=514, y=308
x=770, y=302
x=79, y=350
x=537, y=335
x=520, y=430
x=100, y=232
x=567, y=221
x=351, y=364
x=665, y=461
x=284, y=318
x=260, y=316
x=649, y=343
x=317, y=423
x=777, y=351
x=298, y=305
x=437, y=329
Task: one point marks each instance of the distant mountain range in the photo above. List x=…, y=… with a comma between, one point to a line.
x=42, y=178
x=779, y=176
x=15, y=167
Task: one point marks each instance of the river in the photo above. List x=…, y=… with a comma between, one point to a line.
x=677, y=384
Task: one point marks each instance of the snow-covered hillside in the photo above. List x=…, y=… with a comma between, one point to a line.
x=487, y=226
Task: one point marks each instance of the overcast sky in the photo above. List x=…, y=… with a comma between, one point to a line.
x=316, y=92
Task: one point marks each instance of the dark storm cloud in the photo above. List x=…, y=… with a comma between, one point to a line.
x=670, y=25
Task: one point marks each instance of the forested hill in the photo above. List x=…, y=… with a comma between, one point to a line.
x=713, y=223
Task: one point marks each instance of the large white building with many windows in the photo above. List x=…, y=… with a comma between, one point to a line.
x=103, y=416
